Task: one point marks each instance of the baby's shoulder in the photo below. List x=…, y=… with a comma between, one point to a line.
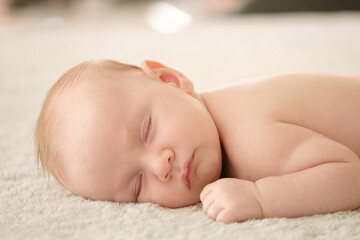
x=276, y=97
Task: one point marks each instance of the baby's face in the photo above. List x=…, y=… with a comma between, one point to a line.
x=135, y=139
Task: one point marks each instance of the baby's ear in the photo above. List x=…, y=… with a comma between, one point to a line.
x=161, y=72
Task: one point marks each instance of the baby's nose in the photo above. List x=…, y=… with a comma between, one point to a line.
x=163, y=169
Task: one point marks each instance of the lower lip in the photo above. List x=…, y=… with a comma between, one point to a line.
x=189, y=175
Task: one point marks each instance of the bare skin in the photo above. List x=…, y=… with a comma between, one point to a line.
x=291, y=143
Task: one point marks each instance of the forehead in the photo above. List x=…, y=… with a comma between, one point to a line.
x=99, y=92
x=97, y=118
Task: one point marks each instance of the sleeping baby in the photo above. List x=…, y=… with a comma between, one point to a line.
x=277, y=146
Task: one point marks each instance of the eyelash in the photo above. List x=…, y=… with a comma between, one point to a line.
x=138, y=190
x=148, y=130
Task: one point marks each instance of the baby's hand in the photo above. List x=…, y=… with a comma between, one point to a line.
x=231, y=200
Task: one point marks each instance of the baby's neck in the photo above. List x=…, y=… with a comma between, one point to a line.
x=200, y=98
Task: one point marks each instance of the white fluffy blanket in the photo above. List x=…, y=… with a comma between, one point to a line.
x=211, y=52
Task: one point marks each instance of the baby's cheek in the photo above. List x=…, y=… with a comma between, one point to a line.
x=207, y=172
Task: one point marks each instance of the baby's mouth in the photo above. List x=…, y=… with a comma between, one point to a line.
x=186, y=175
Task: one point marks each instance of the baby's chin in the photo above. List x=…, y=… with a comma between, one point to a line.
x=180, y=199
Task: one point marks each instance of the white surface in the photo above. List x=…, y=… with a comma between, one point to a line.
x=210, y=52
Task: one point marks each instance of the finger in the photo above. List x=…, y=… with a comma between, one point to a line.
x=214, y=210
x=205, y=192
x=207, y=204
x=225, y=216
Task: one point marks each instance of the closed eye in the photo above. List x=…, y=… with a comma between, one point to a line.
x=145, y=129
x=148, y=129
x=138, y=186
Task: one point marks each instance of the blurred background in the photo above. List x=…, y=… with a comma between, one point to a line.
x=254, y=36
x=15, y=12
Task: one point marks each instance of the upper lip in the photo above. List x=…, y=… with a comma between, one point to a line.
x=185, y=170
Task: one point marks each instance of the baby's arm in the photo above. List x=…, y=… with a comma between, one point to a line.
x=320, y=176
x=325, y=175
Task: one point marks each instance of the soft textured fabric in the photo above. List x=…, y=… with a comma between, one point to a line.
x=211, y=52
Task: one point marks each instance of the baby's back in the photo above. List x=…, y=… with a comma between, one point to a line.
x=325, y=104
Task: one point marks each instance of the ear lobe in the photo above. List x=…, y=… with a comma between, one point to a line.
x=159, y=71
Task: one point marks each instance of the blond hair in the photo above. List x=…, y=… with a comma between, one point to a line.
x=46, y=130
